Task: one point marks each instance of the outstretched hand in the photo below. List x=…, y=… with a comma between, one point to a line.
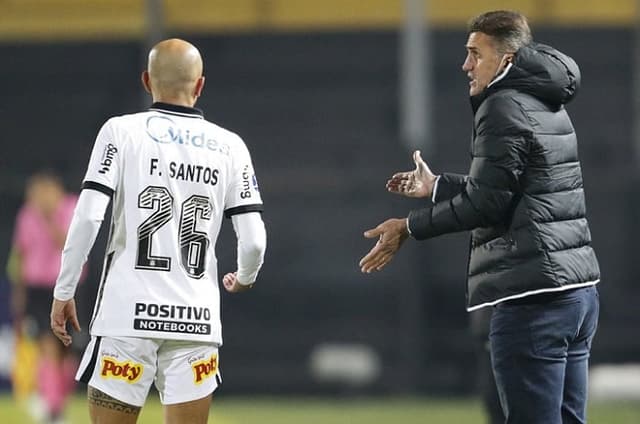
x=391, y=234
x=416, y=183
x=61, y=312
x=232, y=285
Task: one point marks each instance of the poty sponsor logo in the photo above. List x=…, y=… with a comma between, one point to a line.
x=107, y=158
x=164, y=130
x=205, y=369
x=127, y=371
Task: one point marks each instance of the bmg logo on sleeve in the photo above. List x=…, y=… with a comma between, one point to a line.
x=107, y=158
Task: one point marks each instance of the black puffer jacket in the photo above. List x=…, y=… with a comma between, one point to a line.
x=523, y=197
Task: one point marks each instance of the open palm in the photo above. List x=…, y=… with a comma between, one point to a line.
x=416, y=183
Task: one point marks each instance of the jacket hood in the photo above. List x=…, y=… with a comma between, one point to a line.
x=541, y=71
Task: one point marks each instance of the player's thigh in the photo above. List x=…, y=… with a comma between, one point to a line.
x=121, y=368
x=187, y=371
x=104, y=409
x=192, y=412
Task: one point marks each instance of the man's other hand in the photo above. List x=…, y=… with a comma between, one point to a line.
x=231, y=283
x=61, y=312
x=416, y=183
x=391, y=234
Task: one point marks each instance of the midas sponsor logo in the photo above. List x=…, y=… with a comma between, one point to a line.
x=205, y=369
x=127, y=371
x=164, y=130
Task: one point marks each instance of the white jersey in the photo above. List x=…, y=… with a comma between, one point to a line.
x=173, y=175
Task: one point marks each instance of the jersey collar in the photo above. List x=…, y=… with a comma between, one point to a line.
x=189, y=112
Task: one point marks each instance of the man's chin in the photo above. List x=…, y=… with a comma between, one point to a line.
x=473, y=88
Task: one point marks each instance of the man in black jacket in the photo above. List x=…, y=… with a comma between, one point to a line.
x=530, y=254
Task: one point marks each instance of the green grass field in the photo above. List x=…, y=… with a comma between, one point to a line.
x=291, y=410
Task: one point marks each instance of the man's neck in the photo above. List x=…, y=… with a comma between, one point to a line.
x=177, y=101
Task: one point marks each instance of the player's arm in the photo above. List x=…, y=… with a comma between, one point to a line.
x=252, y=244
x=243, y=206
x=85, y=224
x=99, y=184
x=84, y=228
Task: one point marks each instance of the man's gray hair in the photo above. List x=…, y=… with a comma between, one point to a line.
x=510, y=30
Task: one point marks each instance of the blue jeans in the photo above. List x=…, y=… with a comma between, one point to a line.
x=540, y=353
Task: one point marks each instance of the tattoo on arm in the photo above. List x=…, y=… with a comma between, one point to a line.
x=103, y=400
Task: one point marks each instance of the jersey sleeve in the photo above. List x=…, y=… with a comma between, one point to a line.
x=252, y=243
x=83, y=230
x=243, y=194
x=104, y=167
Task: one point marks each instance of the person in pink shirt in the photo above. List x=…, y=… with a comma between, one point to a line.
x=40, y=231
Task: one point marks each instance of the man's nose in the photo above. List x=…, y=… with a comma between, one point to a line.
x=466, y=65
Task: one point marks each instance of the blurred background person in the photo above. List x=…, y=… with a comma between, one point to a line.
x=45, y=376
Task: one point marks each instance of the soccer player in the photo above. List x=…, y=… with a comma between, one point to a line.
x=172, y=176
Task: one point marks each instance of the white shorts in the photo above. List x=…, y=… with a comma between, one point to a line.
x=125, y=367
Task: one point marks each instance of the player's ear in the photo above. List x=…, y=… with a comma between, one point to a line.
x=199, y=87
x=145, y=81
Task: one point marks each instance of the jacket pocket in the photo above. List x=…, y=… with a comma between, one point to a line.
x=503, y=243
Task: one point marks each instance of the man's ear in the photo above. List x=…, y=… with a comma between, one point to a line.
x=199, y=87
x=145, y=81
x=509, y=57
